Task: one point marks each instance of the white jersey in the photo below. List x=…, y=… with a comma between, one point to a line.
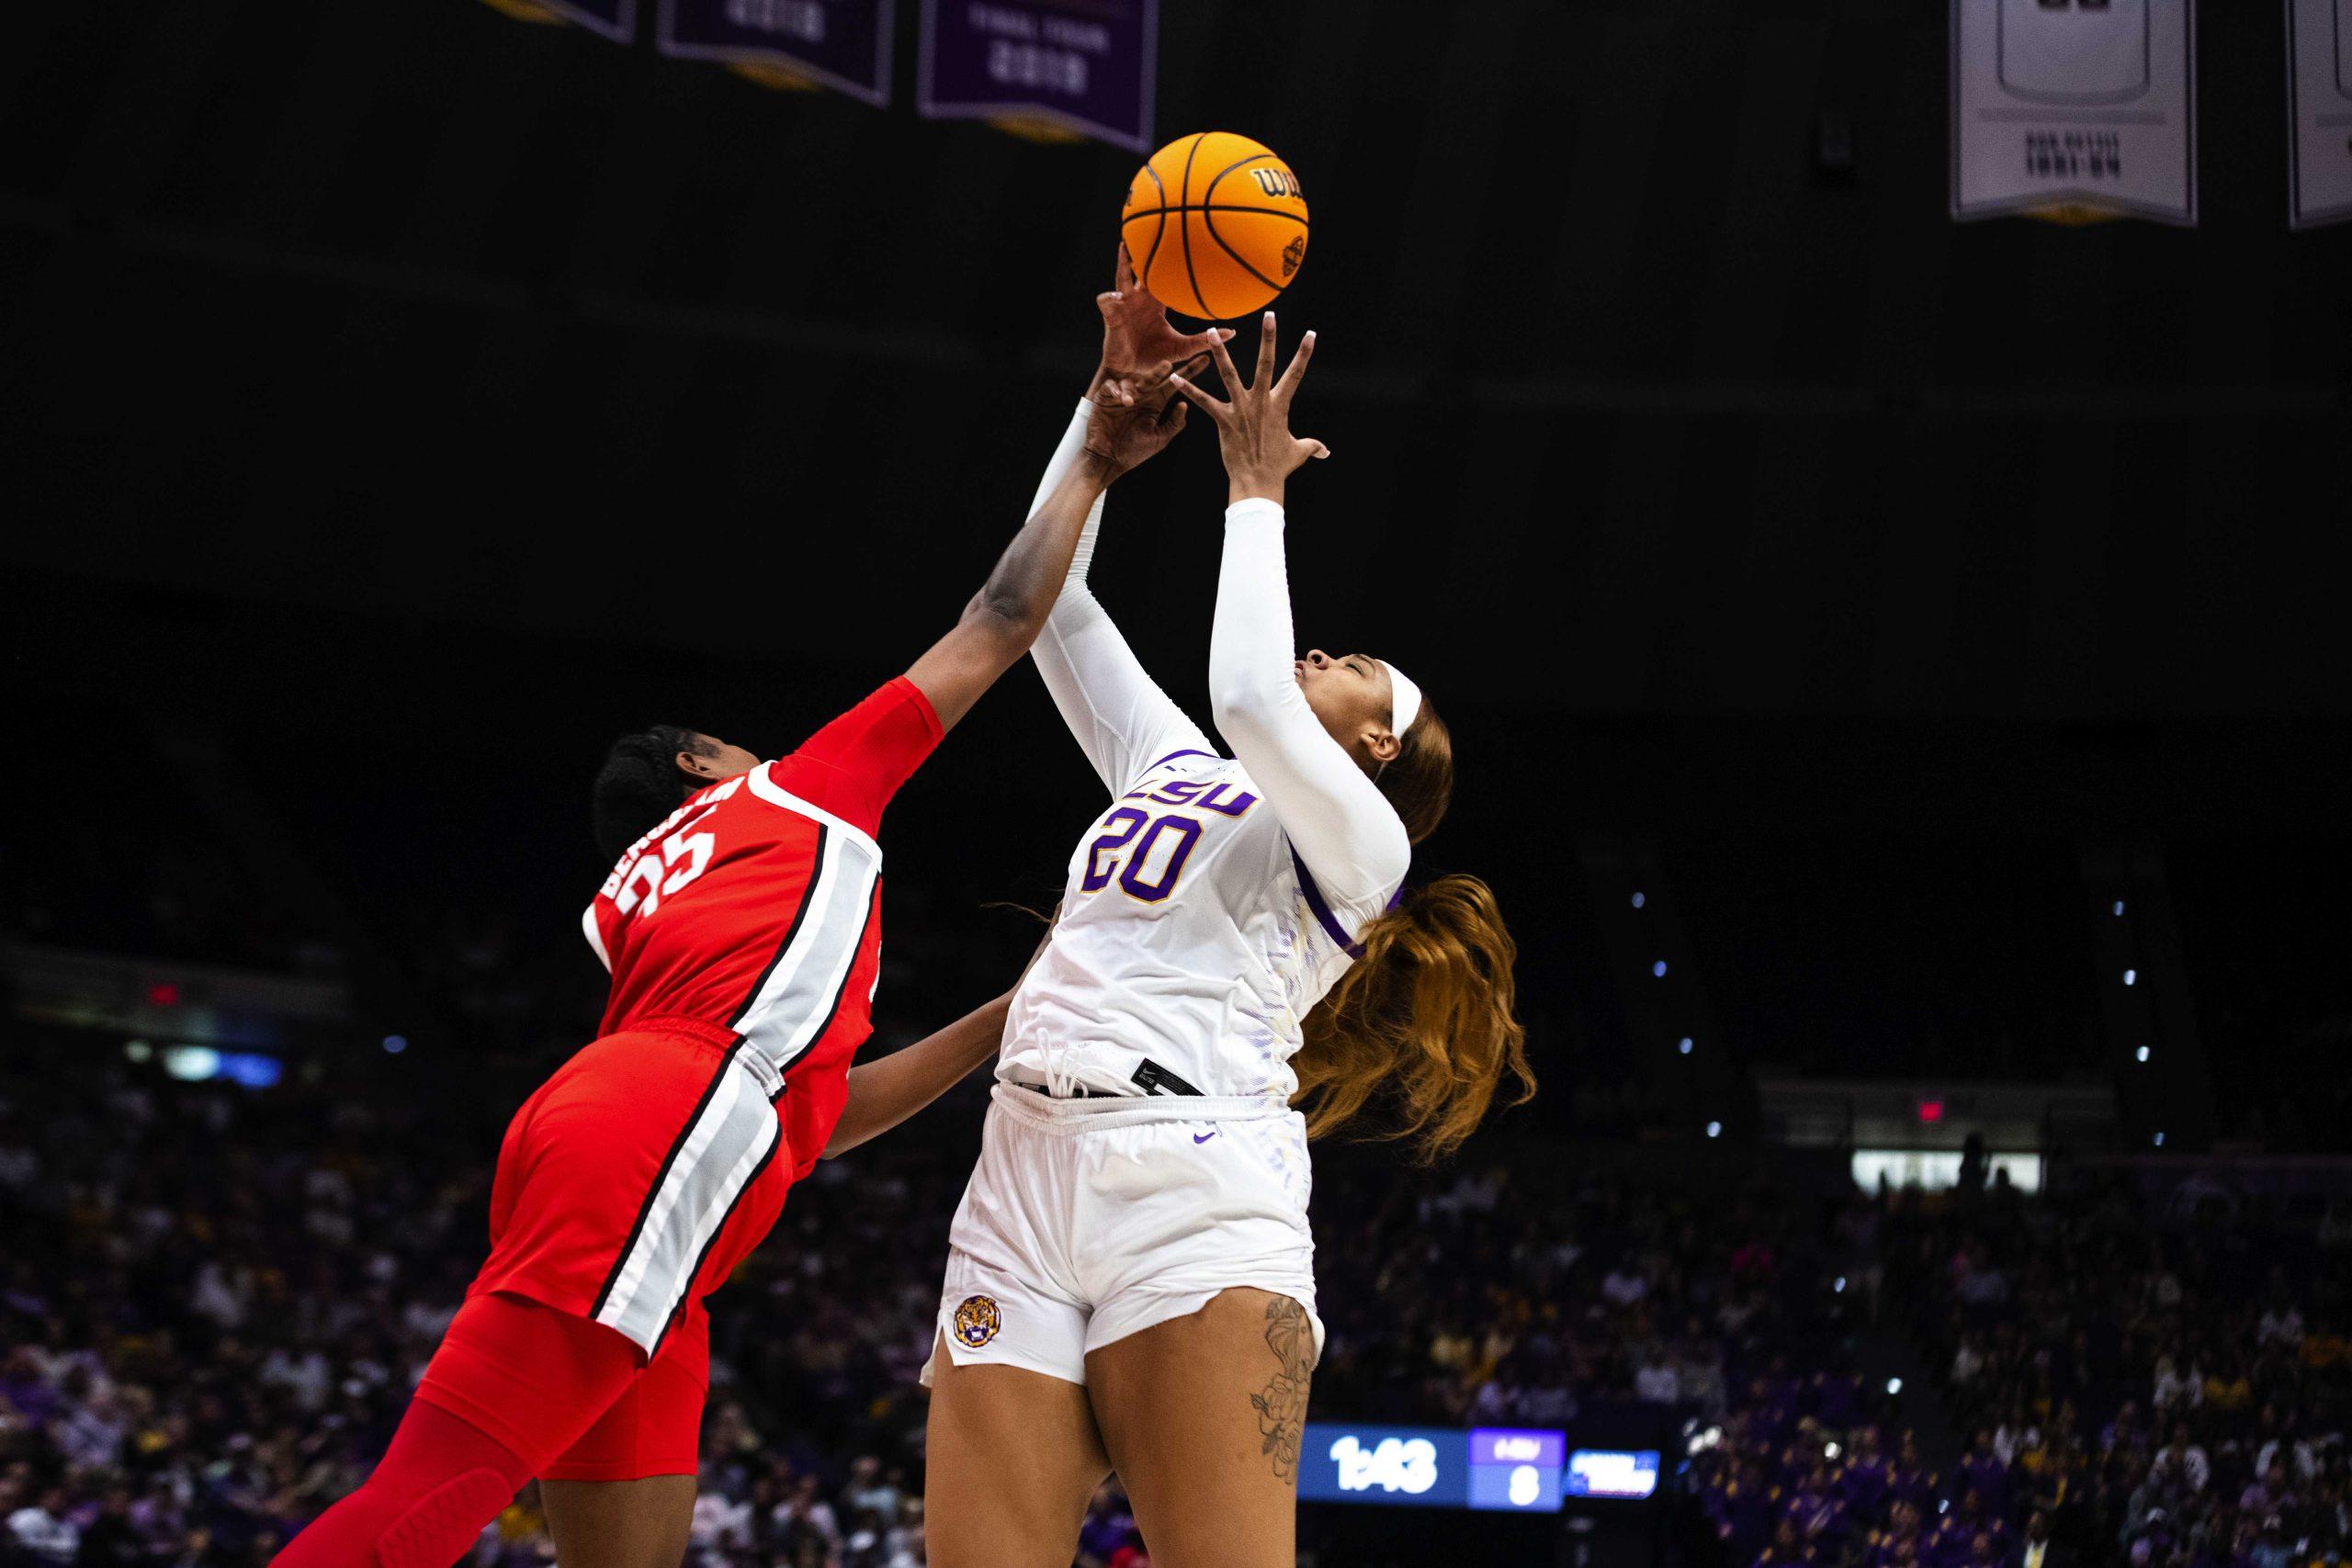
x=1190, y=945
x=1215, y=902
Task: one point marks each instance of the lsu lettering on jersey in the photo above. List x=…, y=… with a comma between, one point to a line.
x=756, y=908
x=1193, y=942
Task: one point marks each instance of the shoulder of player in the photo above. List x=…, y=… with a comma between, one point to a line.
x=811, y=787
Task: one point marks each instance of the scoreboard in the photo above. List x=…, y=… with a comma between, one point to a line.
x=1498, y=1468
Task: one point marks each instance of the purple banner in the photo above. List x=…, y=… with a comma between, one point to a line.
x=615, y=20
x=1084, y=65
x=845, y=44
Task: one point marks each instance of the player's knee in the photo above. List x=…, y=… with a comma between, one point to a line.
x=437, y=1528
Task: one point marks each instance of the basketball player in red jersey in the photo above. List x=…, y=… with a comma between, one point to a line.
x=739, y=925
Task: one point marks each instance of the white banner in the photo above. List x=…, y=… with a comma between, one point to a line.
x=2319, y=96
x=2075, y=108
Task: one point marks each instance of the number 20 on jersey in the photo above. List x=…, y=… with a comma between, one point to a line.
x=1145, y=855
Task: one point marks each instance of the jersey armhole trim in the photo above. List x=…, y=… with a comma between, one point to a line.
x=596, y=938
x=767, y=789
x=1322, y=910
x=1143, y=772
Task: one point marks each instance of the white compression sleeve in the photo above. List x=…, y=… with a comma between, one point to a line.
x=1122, y=719
x=1073, y=442
x=1343, y=826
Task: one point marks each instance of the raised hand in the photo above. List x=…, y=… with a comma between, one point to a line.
x=1135, y=417
x=1253, y=430
x=1136, y=333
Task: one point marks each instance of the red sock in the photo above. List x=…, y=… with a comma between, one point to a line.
x=512, y=1385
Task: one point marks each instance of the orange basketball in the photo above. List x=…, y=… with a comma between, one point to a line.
x=1215, y=225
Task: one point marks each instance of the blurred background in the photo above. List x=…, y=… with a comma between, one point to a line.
x=1900, y=692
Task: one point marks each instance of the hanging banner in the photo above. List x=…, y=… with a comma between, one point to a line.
x=615, y=20
x=1065, y=67
x=2074, y=109
x=2319, y=101
x=843, y=44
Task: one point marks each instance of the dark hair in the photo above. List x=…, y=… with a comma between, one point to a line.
x=1424, y=1021
x=1419, y=781
x=641, y=783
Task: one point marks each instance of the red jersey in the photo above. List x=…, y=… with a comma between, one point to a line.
x=755, y=906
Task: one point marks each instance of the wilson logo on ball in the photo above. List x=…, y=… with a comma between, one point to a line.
x=1293, y=254
x=1278, y=182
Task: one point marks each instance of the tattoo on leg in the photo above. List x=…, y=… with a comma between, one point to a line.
x=1281, y=1407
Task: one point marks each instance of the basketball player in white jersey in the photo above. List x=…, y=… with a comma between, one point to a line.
x=1130, y=1282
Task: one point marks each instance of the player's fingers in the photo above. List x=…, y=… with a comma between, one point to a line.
x=1297, y=371
x=1122, y=271
x=1265, y=376
x=1225, y=370
x=1313, y=447
x=1216, y=408
x=1108, y=304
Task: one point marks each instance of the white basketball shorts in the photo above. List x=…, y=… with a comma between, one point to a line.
x=1089, y=1220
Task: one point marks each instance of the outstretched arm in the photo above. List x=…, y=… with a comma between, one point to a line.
x=1337, y=820
x=1122, y=719
x=1005, y=616
x=887, y=1091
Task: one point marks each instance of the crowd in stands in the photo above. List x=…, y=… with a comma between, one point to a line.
x=216, y=1299
x=2123, y=1392
x=214, y=1302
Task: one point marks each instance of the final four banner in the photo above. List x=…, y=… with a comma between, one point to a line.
x=845, y=44
x=2319, y=93
x=2074, y=109
x=1082, y=66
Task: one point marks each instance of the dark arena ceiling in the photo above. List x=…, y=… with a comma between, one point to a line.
x=1657, y=377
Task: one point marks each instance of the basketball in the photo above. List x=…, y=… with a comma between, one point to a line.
x=1216, y=225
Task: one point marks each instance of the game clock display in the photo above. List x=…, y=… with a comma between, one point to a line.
x=1503, y=1469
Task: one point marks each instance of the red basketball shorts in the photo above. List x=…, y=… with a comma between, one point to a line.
x=628, y=1187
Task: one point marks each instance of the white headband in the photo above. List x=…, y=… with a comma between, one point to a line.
x=1404, y=700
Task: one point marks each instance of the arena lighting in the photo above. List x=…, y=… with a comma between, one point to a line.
x=2160, y=1140
x=138, y=1050
x=1931, y=1111
x=1840, y=1286
x=1894, y=1385
x=1639, y=901
x=2131, y=976
x=1658, y=968
x=2119, y=908
x=1714, y=1129
x=191, y=1064
x=1829, y=1450
x=2141, y=1052
x=164, y=994
x=395, y=1044
x=1685, y=1047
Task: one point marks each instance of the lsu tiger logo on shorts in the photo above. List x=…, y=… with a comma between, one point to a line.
x=977, y=1320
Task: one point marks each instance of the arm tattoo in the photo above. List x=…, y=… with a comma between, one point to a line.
x=1281, y=1407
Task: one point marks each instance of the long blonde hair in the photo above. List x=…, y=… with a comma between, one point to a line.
x=1423, y=1022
